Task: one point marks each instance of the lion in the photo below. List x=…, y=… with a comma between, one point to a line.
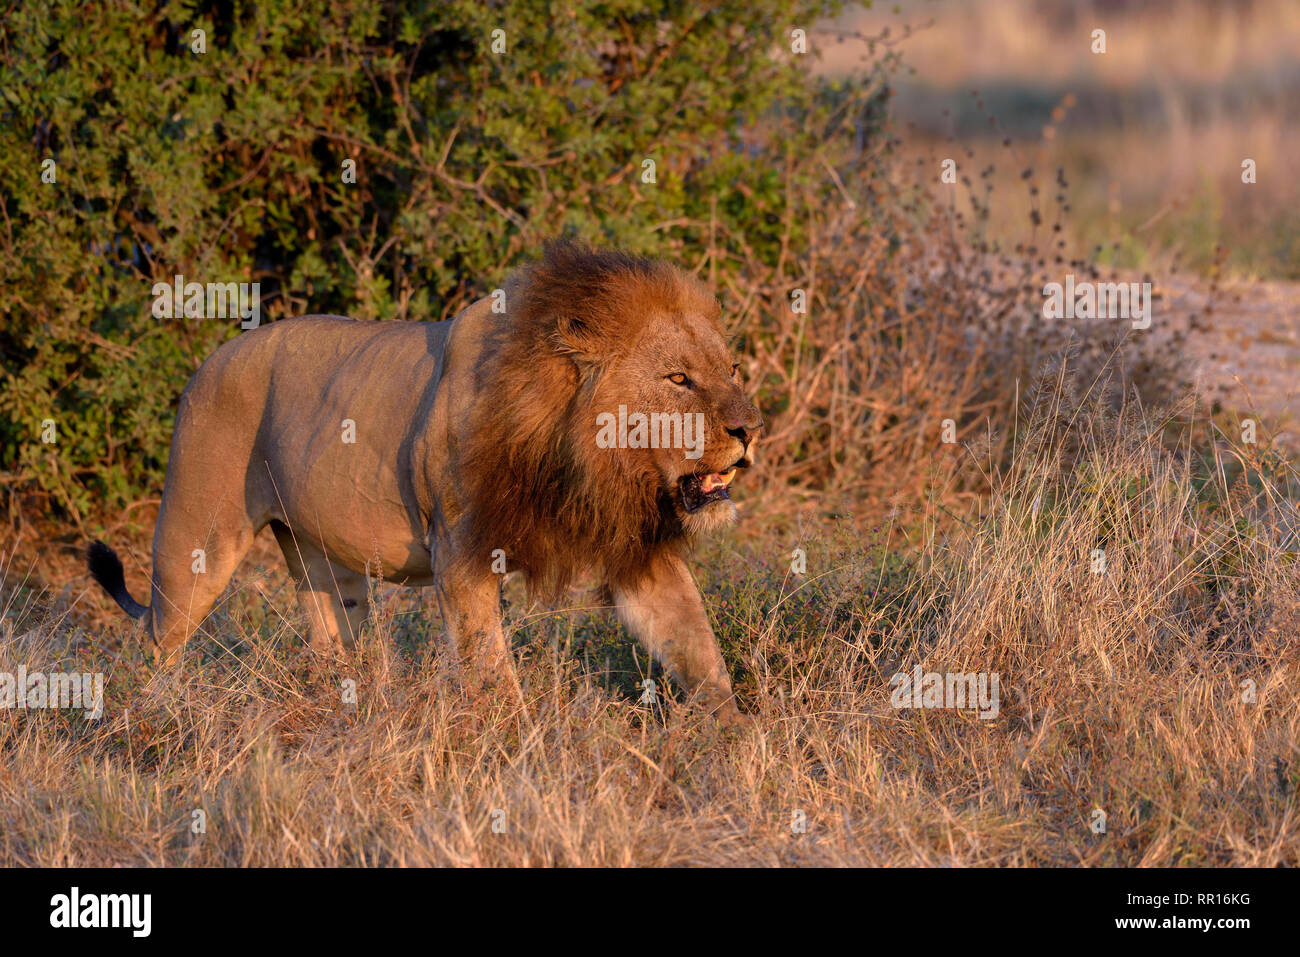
x=447, y=453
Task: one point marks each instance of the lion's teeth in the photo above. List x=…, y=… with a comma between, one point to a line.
x=715, y=481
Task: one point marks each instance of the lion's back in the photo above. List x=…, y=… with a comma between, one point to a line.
x=301, y=366
x=306, y=397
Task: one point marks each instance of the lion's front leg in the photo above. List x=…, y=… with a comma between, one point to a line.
x=664, y=612
x=471, y=611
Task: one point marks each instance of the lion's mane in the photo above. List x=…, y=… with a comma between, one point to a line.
x=534, y=484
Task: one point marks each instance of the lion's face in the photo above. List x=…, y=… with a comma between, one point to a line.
x=677, y=413
x=611, y=423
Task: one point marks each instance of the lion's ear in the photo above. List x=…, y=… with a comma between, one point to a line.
x=577, y=338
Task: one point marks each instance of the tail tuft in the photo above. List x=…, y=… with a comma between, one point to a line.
x=106, y=568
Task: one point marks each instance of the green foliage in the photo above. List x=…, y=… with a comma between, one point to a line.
x=226, y=165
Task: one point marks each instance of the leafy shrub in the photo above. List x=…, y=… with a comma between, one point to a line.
x=226, y=165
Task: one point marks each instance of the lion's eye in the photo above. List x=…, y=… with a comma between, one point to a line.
x=679, y=378
x=735, y=370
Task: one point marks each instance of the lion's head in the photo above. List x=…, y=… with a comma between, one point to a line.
x=611, y=423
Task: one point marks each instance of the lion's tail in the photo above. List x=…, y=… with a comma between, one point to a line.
x=106, y=568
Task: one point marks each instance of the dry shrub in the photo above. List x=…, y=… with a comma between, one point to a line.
x=914, y=316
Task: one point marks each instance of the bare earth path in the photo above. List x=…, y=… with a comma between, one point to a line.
x=1245, y=350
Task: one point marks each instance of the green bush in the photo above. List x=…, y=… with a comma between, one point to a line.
x=226, y=165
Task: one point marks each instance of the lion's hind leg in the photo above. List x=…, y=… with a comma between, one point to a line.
x=332, y=598
x=195, y=554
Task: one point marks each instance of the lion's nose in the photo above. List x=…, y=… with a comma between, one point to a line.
x=738, y=430
x=745, y=423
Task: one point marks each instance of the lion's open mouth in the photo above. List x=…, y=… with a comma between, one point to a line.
x=701, y=490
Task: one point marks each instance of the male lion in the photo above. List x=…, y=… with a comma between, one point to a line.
x=451, y=451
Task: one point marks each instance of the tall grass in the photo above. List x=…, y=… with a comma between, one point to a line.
x=1121, y=691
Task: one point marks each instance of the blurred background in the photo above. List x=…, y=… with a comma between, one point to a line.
x=1151, y=134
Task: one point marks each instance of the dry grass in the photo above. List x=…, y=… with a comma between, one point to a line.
x=1120, y=691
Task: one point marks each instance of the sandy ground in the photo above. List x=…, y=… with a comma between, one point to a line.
x=1242, y=347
